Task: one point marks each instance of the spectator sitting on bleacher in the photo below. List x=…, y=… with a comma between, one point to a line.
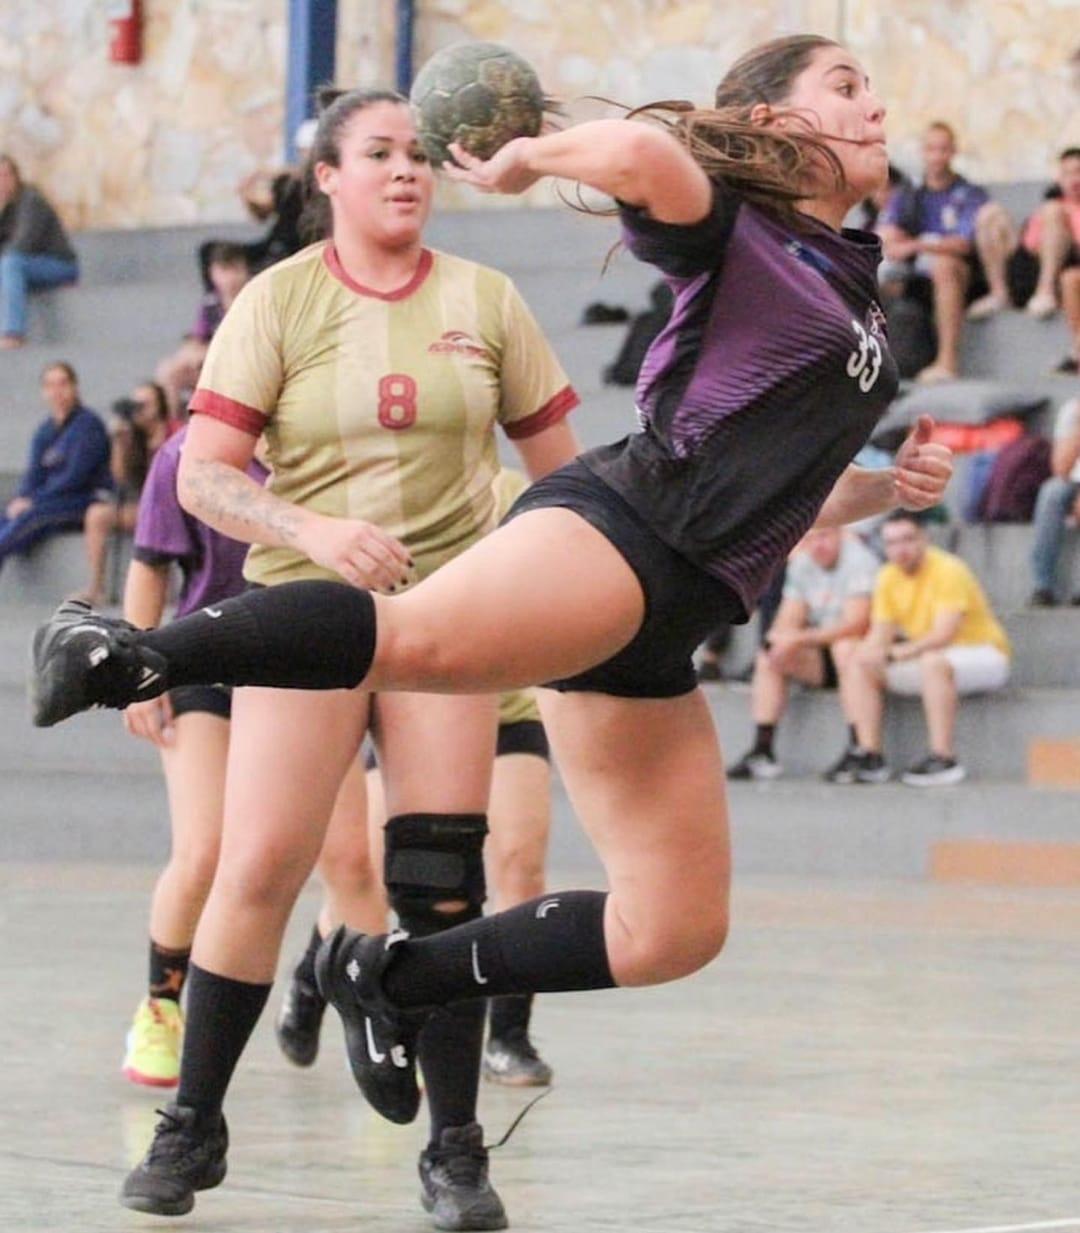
x=933, y=633
x=1030, y=266
x=178, y=374
x=1057, y=502
x=928, y=236
x=140, y=424
x=68, y=466
x=824, y=613
x=34, y=251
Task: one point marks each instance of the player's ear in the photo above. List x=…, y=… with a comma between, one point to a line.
x=326, y=176
x=760, y=114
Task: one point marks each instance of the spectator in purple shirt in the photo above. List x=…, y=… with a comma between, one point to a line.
x=178, y=373
x=928, y=233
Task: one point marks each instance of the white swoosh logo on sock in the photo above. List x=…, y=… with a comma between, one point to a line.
x=213, y=613
x=373, y=1052
x=480, y=979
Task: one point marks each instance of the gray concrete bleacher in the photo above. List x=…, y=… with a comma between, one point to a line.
x=87, y=790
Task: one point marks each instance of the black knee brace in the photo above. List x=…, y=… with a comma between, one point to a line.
x=434, y=858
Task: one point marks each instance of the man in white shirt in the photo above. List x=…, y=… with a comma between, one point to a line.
x=824, y=613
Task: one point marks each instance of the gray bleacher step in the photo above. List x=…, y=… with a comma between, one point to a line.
x=809, y=829
x=54, y=569
x=999, y=554
x=992, y=733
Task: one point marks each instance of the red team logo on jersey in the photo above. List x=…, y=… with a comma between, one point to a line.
x=457, y=342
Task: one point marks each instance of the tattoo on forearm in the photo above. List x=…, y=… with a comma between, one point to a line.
x=233, y=501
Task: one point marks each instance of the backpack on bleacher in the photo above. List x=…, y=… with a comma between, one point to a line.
x=1015, y=479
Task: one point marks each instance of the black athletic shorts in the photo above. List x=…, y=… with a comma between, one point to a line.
x=829, y=679
x=208, y=699
x=683, y=604
x=526, y=736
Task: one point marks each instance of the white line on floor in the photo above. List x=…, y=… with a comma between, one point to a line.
x=1035, y=1227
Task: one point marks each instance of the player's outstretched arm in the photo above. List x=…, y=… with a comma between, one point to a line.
x=634, y=161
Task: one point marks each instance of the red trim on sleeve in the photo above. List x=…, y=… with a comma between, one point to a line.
x=551, y=412
x=229, y=411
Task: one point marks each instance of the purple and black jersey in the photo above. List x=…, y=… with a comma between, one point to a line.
x=767, y=380
x=211, y=564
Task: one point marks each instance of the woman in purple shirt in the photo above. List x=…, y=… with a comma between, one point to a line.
x=754, y=399
x=189, y=725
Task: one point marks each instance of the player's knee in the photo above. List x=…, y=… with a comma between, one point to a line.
x=266, y=879
x=434, y=870
x=518, y=875
x=192, y=872
x=679, y=948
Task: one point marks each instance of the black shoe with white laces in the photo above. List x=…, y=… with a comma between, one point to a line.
x=82, y=660
x=299, y=1022
x=187, y=1154
x=934, y=771
x=858, y=766
x=512, y=1060
x=380, y=1039
x=454, y=1185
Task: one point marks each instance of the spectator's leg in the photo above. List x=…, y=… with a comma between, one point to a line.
x=939, y=699
x=768, y=694
x=951, y=276
x=862, y=696
x=1069, y=285
x=1052, y=507
x=843, y=652
x=22, y=533
x=101, y=518
x=12, y=297
x=1054, y=246
x=995, y=239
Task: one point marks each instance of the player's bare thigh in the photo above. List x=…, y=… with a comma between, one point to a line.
x=543, y=597
x=436, y=751
x=646, y=779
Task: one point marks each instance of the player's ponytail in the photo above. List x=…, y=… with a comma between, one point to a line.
x=770, y=166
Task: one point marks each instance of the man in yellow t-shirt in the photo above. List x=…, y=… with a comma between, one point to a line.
x=932, y=633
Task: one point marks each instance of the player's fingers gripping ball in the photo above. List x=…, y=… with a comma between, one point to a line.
x=478, y=96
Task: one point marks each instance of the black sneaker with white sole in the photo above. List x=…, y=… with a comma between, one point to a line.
x=187, y=1154
x=934, y=771
x=756, y=765
x=858, y=766
x=81, y=660
x=454, y=1184
x=512, y=1060
x=380, y=1039
x=299, y=1022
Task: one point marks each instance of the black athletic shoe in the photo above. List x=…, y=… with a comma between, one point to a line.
x=512, y=1060
x=856, y=766
x=756, y=765
x=379, y=1039
x=454, y=1185
x=187, y=1154
x=934, y=771
x=299, y=1022
x=82, y=660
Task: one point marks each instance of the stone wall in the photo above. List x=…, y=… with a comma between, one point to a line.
x=167, y=141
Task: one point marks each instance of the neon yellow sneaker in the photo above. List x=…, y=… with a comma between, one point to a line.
x=153, y=1043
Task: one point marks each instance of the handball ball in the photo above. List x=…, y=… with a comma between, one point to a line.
x=480, y=95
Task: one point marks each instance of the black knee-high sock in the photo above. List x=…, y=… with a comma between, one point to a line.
x=510, y=1015
x=300, y=635
x=221, y=1015
x=449, y=1051
x=548, y=945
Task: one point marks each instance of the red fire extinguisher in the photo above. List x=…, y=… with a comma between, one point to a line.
x=125, y=31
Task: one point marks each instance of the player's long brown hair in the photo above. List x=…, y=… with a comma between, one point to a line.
x=769, y=166
x=336, y=108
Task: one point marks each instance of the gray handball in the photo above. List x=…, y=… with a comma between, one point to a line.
x=480, y=95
